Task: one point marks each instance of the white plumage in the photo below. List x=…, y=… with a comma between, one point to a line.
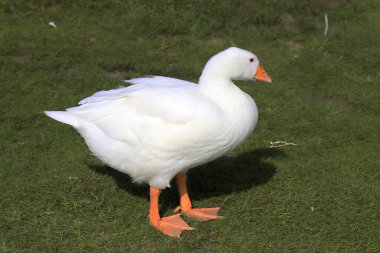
x=161, y=126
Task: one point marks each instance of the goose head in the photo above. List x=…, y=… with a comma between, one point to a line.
x=234, y=64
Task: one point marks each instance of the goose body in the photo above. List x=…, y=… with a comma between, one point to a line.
x=160, y=127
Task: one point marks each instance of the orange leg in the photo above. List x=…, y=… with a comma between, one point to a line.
x=171, y=225
x=202, y=214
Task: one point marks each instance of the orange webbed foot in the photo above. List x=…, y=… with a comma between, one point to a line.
x=201, y=214
x=172, y=225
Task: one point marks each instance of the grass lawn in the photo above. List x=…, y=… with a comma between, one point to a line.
x=322, y=195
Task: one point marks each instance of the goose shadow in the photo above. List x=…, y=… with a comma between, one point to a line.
x=226, y=175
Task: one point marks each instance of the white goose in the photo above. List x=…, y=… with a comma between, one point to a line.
x=160, y=127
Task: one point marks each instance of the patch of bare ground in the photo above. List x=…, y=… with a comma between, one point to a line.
x=333, y=101
x=287, y=22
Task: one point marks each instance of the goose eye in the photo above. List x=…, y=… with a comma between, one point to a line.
x=251, y=60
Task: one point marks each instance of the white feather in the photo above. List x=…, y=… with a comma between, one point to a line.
x=160, y=126
x=63, y=117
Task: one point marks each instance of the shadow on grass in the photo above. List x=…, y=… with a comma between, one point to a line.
x=223, y=176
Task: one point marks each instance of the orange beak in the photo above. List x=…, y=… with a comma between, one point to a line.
x=261, y=75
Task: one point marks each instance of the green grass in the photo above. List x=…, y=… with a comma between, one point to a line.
x=319, y=196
